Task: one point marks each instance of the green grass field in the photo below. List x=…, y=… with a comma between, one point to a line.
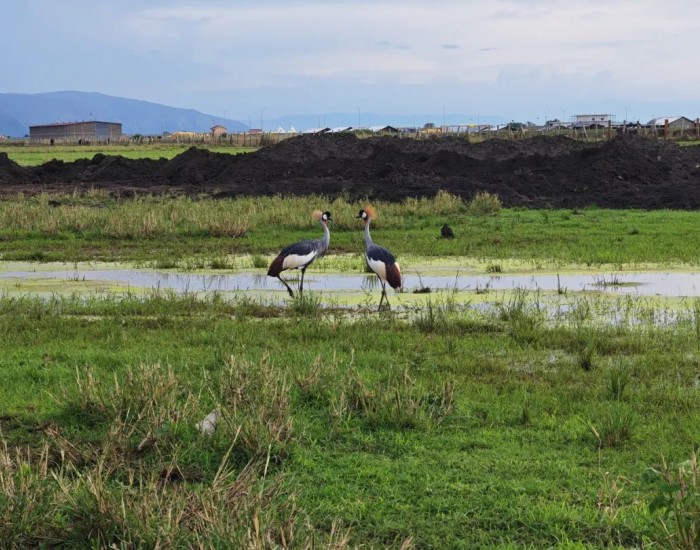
x=33, y=155
x=451, y=427
x=168, y=229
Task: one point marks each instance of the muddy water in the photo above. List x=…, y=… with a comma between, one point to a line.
x=28, y=277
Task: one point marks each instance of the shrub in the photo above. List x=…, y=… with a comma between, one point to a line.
x=676, y=505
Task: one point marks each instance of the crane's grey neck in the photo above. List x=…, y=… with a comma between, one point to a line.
x=368, y=239
x=326, y=240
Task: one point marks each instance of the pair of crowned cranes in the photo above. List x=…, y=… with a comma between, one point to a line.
x=300, y=255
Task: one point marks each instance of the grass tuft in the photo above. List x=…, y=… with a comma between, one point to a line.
x=586, y=357
x=259, y=262
x=615, y=426
x=484, y=204
x=255, y=408
x=619, y=378
x=307, y=304
x=397, y=403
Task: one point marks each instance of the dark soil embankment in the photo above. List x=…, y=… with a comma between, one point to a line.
x=627, y=172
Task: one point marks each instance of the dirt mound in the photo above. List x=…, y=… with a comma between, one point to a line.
x=625, y=172
x=193, y=167
x=10, y=171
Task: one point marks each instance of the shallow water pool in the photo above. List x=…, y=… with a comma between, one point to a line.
x=27, y=277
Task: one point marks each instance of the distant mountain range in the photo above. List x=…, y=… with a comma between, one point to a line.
x=19, y=111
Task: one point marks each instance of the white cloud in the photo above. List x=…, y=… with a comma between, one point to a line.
x=580, y=48
x=259, y=45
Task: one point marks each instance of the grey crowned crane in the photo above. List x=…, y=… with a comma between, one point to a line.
x=301, y=255
x=379, y=259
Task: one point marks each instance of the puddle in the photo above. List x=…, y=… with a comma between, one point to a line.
x=28, y=277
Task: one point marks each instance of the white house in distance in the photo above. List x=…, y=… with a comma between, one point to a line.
x=601, y=119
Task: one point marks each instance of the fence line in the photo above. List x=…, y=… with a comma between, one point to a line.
x=256, y=140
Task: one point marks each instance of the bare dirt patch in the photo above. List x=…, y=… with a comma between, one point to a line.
x=627, y=172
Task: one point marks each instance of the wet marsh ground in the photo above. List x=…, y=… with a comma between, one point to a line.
x=440, y=424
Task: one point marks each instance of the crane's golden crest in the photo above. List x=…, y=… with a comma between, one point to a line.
x=371, y=212
x=317, y=215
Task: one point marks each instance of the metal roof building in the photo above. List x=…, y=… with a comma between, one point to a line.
x=317, y=130
x=76, y=132
x=675, y=122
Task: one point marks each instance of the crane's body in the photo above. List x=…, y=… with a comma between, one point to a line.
x=302, y=254
x=379, y=259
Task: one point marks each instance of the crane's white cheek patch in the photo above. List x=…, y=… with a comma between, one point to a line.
x=378, y=267
x=293, y=261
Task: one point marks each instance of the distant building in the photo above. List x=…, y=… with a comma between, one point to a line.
x=592, y=122
x=76, y=132
x=376, y=130
x=465, y=128
x=218, y=131
x=674, y=122
x=599, y=119
x=383, y=129
x=430, y=130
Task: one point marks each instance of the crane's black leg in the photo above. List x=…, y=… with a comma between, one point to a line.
x=285, y=284
x=301, y=284
x=381, y=300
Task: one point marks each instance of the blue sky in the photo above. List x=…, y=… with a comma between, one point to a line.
x=521, y=59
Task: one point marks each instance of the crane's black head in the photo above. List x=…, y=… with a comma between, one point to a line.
x=367, y=213
x=321, y=216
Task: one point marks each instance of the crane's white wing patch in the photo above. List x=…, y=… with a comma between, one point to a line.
x=378, y=267
x=295, y=261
